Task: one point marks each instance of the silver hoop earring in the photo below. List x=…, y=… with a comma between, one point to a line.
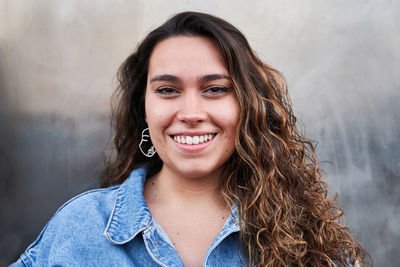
x=146, y=138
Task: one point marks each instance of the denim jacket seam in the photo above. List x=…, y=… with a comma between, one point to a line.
x=210, y=250
x=110, y=220
x=114, y=220
x=148, y=226
x=26, y=260
x=149, y=251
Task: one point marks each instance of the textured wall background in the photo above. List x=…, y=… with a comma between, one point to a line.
x=58, y=61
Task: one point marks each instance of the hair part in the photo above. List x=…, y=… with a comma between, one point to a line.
x=273, y=176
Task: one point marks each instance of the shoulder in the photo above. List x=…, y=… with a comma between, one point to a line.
x=97, y=202
x=85, y=227
x=87, y=207
x=79, y=221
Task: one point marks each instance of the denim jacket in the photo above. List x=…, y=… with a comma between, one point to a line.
x=114, y=227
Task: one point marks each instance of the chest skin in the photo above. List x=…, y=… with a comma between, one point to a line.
x=190, y=232
x=190, y=228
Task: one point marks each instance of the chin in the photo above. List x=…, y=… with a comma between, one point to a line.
x=197, y=171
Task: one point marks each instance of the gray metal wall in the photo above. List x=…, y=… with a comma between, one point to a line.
x=58, y=61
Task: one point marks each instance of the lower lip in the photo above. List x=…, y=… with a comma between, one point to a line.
x=193, y=148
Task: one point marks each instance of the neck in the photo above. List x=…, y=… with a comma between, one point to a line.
x=170, y=188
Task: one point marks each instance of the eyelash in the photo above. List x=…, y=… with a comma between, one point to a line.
x=165, y=91
x=221, y=90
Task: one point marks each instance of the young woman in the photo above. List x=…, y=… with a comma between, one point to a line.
x=209, y=170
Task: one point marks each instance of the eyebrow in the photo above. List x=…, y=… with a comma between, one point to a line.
x=205, y=78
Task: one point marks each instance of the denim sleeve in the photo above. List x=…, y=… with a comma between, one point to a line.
x=18, y=263
x=71, y=225
x=37, y=251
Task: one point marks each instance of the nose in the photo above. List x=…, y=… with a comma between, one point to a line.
x=191, y=110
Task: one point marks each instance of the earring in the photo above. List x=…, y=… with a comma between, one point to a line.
x=145, y=138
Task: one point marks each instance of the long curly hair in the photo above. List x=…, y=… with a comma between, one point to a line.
x=273, y=175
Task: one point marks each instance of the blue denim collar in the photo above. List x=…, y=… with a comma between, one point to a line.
x=131, y=214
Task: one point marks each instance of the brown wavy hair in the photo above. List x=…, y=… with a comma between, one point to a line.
x=273, y=175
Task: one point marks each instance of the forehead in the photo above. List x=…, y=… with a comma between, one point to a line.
x=186, y=55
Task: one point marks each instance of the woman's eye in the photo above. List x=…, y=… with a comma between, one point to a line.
x=165, y=91
x=217, y=90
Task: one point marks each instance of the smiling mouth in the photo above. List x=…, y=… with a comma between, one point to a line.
x=193, y=140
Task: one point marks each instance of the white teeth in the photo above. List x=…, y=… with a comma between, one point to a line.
x=189, y=140
x=196, y=140
x=193, y=140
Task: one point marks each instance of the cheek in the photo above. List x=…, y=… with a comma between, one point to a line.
x=232, y=121
x=157, y=120
x=157, y=125
x=146, y=105
x=228, y=115
x=158, y=117
x=152, y=114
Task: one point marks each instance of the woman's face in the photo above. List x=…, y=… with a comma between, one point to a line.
x=191, y=107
